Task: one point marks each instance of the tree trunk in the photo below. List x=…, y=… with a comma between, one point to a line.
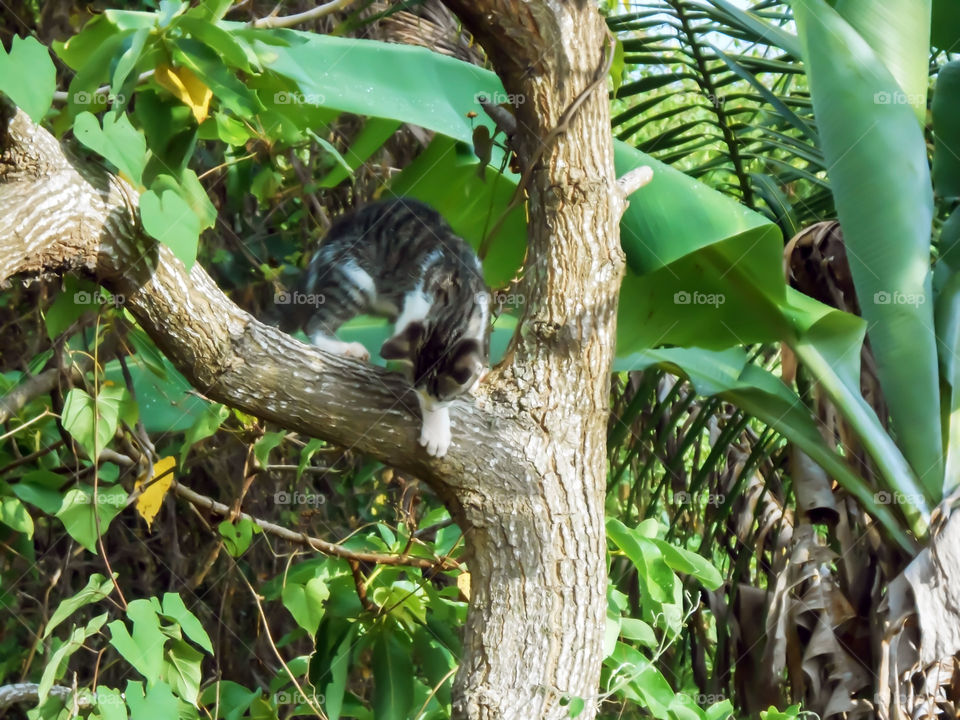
x=525, y=475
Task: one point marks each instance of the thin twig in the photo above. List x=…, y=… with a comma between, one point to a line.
x=322, y=546
x=305, y=16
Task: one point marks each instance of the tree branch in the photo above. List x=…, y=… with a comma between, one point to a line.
x=60, y=214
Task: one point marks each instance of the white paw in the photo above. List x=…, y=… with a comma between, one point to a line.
x=435, y=433
x=355, y=350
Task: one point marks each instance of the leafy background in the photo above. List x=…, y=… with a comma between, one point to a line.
x=764, y=461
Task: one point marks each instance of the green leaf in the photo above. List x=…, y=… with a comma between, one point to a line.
x=97, y=588
x=144, y=648
x=159, y=701
x=181, y=670
x=110, y=704
x=117, y=141
x=81, y=413
x=28, y=76
x=899, y=33
x=77, y=297
x=40, y=488
x=690, y=563
x=334, y=690
x=237, y=536
x=886, y=221
x=946, y=25
x=169, y=219
x=15, y=515
x=76, y=512
x=211, y=418
x=174, y=609
x=392, y=677
x=305, y=601
x=263, y=446
x=946, y=129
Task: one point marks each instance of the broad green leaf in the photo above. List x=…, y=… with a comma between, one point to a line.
x=128, y=61
x=948, y=340
x=76, y=512
x=181, y=669
x=110, y=704
x=946, y=25
x=211, y=418
x=334, y=690
x=78, y=296
x=82, y=416
x=234, y=699
x=144, y=649
x=40, y=488
x=28, y=77
x=169, y=219
x=237, y=536
x=263, y=446
x=946, y=129
x=158, y=702
x=690, y=563
x=392, y=677
x=899, y=33
x=885, y=204
x=117, y=141
x=174, y=609
x=15, y=515
x=97, y=588
x=305, y=601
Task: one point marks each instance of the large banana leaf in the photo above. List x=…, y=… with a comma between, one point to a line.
x=881, y=183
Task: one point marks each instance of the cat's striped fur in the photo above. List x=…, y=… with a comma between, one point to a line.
x=400, y=259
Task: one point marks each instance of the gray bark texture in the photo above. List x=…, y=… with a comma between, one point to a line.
x=525, y=475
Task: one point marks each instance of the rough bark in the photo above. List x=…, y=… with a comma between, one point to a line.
x=525, y=474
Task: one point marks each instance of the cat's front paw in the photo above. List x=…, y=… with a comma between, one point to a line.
x=355, y=350
x=435, y=433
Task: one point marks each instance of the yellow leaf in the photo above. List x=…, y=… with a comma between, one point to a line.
x=463, y=585
x=187, y=88
x=148, y=504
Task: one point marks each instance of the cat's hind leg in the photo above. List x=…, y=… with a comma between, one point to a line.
x=339, y=291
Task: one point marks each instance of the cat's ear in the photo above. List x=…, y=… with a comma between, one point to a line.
x=403, y=345
x=465, y=361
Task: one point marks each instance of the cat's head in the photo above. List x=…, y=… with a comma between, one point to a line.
x=441, y=369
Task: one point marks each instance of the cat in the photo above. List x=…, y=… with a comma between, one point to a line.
x=399, y=258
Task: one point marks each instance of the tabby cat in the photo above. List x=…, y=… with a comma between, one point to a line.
x=400, y=259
